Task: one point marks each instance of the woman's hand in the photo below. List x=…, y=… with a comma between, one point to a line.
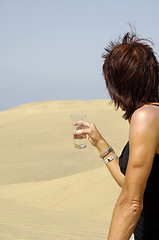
x=89, y=131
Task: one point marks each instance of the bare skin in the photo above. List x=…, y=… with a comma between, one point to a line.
x=144, y=144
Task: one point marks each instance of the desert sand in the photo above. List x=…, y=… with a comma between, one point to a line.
x=48, y=189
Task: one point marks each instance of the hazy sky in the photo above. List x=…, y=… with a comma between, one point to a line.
x=51, y=49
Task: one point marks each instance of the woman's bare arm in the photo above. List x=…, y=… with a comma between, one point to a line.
x=112, y=166
x=143, y=146
x=100, y=143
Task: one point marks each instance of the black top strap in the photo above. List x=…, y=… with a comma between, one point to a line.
x=155, y=104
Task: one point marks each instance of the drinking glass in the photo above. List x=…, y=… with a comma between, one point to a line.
x=79, y=141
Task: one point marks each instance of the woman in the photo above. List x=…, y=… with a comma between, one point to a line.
x=131, y=73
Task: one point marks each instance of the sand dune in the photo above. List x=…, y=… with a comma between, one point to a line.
x=49, y=189
x=92, y=191
x=30, y=223
x=78, y=206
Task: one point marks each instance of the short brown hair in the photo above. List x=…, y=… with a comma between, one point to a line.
x=131, y=72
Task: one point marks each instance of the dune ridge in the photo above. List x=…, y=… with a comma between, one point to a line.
x=49, y=189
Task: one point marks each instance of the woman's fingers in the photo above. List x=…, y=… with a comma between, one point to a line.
x=82, y=127
x=76, y=136
x=82, y=131
x=87, y=130
x=81, y=122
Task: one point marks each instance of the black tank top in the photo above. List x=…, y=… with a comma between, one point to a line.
x=147, y=227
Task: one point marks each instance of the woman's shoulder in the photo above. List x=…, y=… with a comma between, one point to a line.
x=144, y=124
x=146, y=114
